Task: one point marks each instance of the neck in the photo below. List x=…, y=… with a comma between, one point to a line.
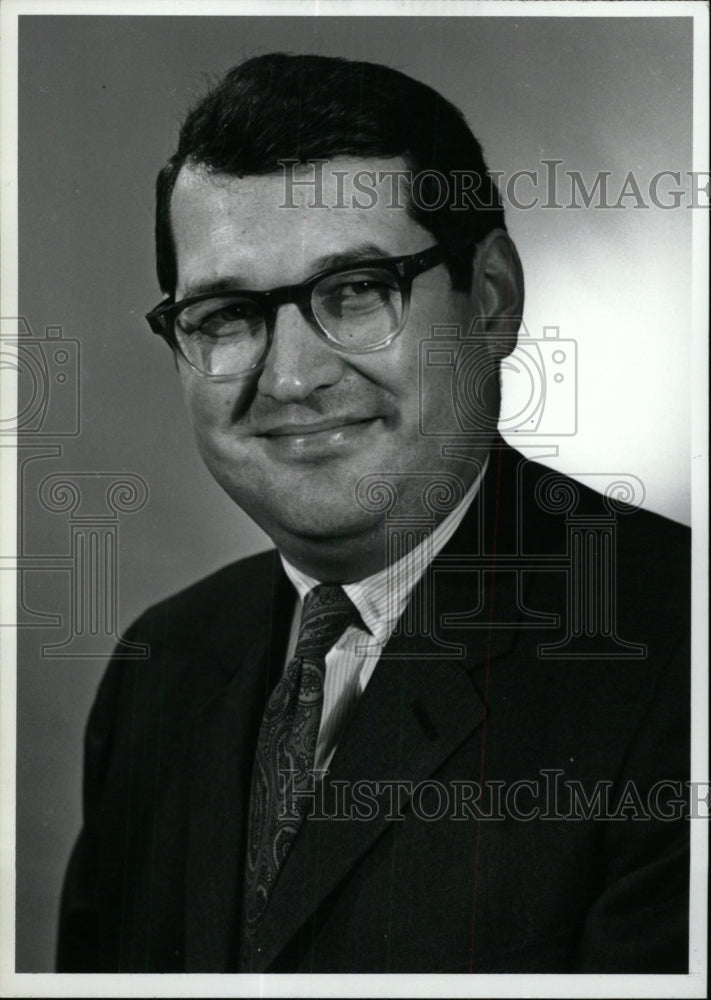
x=360, y=550
x=340, y=559
x=350, y=559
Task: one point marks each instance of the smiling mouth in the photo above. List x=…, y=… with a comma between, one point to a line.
x=318, y=440
x=316, y=427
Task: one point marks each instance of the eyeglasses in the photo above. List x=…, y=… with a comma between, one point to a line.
x=359, y=309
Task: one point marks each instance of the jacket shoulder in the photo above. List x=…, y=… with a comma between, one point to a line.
x=193, y=642
x=551, y=492
x=246, y=584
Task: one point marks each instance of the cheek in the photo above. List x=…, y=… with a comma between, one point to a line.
x=201, y=408
x=410, y=376
x=209, y=404
x=209, y=414
x=397, y=368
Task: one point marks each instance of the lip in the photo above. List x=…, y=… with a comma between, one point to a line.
x=312, y=427
x=318, y=440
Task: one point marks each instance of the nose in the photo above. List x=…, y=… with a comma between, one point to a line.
x=299, y=361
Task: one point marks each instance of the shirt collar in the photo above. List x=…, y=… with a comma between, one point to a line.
x=381, y=598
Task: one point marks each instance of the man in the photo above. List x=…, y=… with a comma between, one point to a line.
x=480, y=766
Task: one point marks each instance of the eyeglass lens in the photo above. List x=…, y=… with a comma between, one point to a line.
x=227, y=334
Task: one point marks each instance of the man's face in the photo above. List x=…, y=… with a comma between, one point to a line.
x=291, y=443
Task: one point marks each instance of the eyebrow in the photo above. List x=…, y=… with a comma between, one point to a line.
x=352, y=257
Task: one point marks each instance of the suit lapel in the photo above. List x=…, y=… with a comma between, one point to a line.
x=225, y=736
x=411, y=717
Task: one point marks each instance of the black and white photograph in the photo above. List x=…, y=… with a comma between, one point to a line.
x=354, y=370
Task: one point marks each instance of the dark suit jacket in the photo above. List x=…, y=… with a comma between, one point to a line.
x=535, y=663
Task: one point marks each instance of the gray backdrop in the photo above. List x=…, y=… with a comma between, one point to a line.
x=100, y=101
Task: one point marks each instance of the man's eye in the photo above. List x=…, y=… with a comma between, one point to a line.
x=229, y=320
x=357, y=289
x=360, y=294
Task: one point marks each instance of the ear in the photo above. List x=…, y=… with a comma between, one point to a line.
x=497, y=291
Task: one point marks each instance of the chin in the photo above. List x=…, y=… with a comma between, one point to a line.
x=323, y=525
x=303, y=515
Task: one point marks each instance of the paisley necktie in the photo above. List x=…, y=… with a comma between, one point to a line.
x=283, y=765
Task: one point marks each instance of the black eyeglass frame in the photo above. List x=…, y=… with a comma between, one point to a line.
x=405, y=269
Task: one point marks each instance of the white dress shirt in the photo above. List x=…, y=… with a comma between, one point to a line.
x=381, y=600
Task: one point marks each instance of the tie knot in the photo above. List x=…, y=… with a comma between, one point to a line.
x=327, y=613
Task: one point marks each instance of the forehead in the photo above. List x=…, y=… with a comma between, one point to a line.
x=276, y=228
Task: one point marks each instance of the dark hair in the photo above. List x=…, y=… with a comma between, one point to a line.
x=301, y=107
